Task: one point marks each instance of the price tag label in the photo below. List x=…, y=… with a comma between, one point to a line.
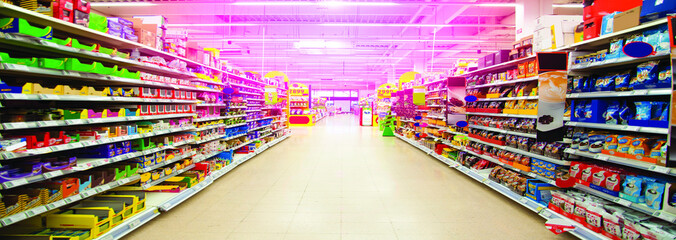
x=524, y=200
x=103, y=188
x=622, y=202
x=56, y=204
x=18, y=125
x=135, y=118
x=601, y=157
x=123, y=181
x=53, y=174
x=624, y=94
x=87, y=193
x=8, y=155
x=48, y=97
x=95, y=120
x=73, y=198
x=71, y=74
x=546, y=214
x=75, y=122
x=166, y=206
x=47, y=124
x=134, y=223
x=631, y=128
x=17, y=67
x=102, y=141
x=14, y=218
x=660, y=169
x=60, y=147
x=15, y=183
x=640, y=92
x=36, y=211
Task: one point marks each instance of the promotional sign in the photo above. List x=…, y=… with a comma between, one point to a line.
x=558, y=226
x=386, y=90
x=552, y=86
x=419, y=95
x=455, y=98
x=271, y=97
x=405, y=80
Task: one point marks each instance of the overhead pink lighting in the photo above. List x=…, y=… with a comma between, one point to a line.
x=320, y=3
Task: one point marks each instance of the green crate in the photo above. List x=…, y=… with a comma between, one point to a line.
x=109, y=51
x=124, y=73
x=98, y=22
x=53, y=63
x=78, y=45
x=62, y=42
x=21, y=26
x=122, y=54
x=100, y=69
x=31, y=62
x=75, y=65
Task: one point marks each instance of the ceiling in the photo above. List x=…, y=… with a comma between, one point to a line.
x=346, y=42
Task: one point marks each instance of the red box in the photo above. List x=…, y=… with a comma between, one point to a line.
x=601, y=8
x=82, y=6
x=63, y=9
x=67, y=186
x=592, y=28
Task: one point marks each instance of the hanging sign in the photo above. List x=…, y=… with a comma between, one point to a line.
x=386, y=90
x=271, y=97
x=405, y=80
x=299, y=89
x=419, y=95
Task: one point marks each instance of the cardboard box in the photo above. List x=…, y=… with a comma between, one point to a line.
x=490, y=59
x=501, y=56
x=63, y=9
x=627, y=19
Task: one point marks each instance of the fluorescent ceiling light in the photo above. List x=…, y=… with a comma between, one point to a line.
x=568, y=6
x=210, y=24
x=497, y=4
x=122, y=4
x=320, y=3
x=254, y=57
x=408, y=25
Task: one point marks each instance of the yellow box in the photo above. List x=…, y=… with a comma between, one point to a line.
x=67, y=90
x=140, y=195
x=528, y=111
x=130, y=202
x=95, y=220
x=118, y=208
x=492, y=95
x=510, y=111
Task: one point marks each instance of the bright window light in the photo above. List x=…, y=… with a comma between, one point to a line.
x=122, y=4
x=320, y=44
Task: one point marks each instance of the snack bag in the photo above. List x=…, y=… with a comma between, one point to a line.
x=631, y=188
x=624, y=143
x=622, y=81
x=646, y=74
x=612, y=114
x=643, y=110
x=653, y=195
x=615, y=50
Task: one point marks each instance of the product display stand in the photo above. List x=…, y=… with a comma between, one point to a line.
x=299, y=105
x=132, y=137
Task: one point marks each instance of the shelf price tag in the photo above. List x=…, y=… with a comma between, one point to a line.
x=660, y=169
x=15, y=183
x=103, y=188
x=60, y=147
x=36, y=211
x=75, y=121
x=601, y=157
x=47, y=124
x=53, y=174
x=73, y=198
x=622, y=202
x=17, y=67
x=8, y=155
x=95, y=120
x=14, y=218
x=48, y=97
x=17, y=125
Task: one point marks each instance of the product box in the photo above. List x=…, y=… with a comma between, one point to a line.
x=489, y=59
x=63, y=9
x=592, y=28
x=501, y=56
x=627, y=19
x=555, y=31
x=653, y=9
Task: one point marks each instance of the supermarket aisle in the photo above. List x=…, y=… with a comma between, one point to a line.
x=341, y=181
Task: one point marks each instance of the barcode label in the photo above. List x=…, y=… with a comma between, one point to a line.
x=53, y=174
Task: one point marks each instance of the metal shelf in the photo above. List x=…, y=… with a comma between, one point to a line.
x=244, y=86
x=519, y=151
x=217, y=118
x=504, y=131
x=596, y=42
x=158, y=181
x=236, y=136
x=438, y=90
x=73, y=122
x=251, y=130
x=78, y=145
x=9, y=220
x=209, y=139
x=652, y=130
x=500, y=66
x=580, y=231
x=33, y=45
x=212, y=105
x=613, y=94
x=624, y=161
x=504, y=83
x=666, y=216
x=502, y=115
x=507, y=98
x=165, y=163
x=77, y=98
x=90, y=78
x=617, y=62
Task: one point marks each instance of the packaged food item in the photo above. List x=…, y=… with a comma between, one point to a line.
x=659, y=149
x=601, y=55
x=656, y=110
x=596, y=141
x=639, y=147
x=664, y=75
x=576, y=140
x=612, y=114
x=631, y=188
x=653, y=195
x=588, y=110
x=615, y=50
x=624, y=143
x=622, y=81
x=611, y=143
x=584, y=142
x=625, y=114
x=643, y=110
x=646, y=74
x=664, y=45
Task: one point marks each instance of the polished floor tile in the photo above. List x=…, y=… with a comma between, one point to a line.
x=338, y=180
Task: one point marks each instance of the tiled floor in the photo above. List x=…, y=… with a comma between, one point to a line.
x=341, y=181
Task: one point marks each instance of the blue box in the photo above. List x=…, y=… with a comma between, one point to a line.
x=608, y=23
x=539, y=191
x=598, y=107
x=653, y=9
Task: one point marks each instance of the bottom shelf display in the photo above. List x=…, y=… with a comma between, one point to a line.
x=121, y=210
x=520, y=192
